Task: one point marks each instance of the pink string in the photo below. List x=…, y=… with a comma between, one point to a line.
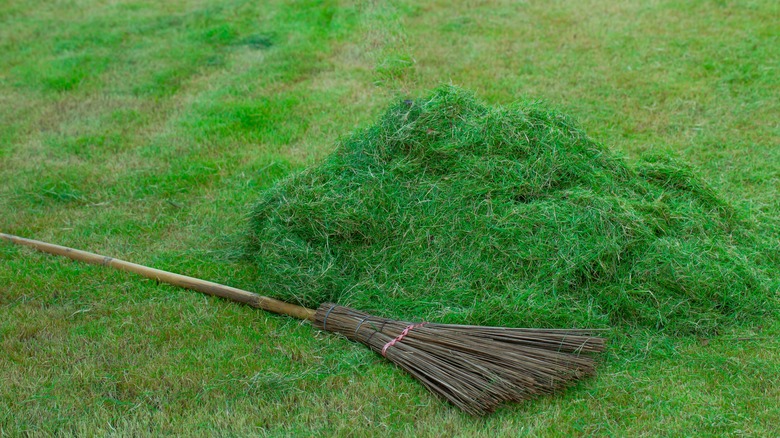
x=401, y=336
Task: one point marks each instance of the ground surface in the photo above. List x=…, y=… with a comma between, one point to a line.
x=145, y=130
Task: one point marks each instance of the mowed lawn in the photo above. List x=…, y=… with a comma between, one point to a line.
x=146, y=131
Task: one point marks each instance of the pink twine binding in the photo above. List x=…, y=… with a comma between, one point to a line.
x=401, y=336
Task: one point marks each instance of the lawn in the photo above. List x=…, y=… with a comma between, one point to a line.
x=149, y=130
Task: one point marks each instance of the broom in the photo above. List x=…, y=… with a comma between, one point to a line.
x=475, y=368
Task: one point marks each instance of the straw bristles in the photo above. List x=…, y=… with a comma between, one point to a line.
x=475, y=368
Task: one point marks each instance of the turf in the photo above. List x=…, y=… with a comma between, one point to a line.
x=147, y=131
x=447, y=208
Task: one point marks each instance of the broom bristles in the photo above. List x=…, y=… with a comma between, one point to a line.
x=475, y=368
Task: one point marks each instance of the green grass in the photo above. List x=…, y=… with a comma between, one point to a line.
x=453, y=210
x=148, y=130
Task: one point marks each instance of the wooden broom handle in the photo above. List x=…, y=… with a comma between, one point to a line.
x=184, y=281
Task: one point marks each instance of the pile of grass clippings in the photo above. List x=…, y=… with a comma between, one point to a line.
x=452, y=210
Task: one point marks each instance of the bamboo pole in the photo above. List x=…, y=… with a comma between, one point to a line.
x=203, y=286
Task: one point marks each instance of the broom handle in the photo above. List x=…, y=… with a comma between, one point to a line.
x=184, y=281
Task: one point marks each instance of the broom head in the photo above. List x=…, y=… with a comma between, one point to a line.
x=475, y=368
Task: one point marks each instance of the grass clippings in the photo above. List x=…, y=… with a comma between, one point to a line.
x=451, y=209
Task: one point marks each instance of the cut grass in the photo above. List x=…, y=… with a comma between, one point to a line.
x=450, y=209
x=699, y=79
